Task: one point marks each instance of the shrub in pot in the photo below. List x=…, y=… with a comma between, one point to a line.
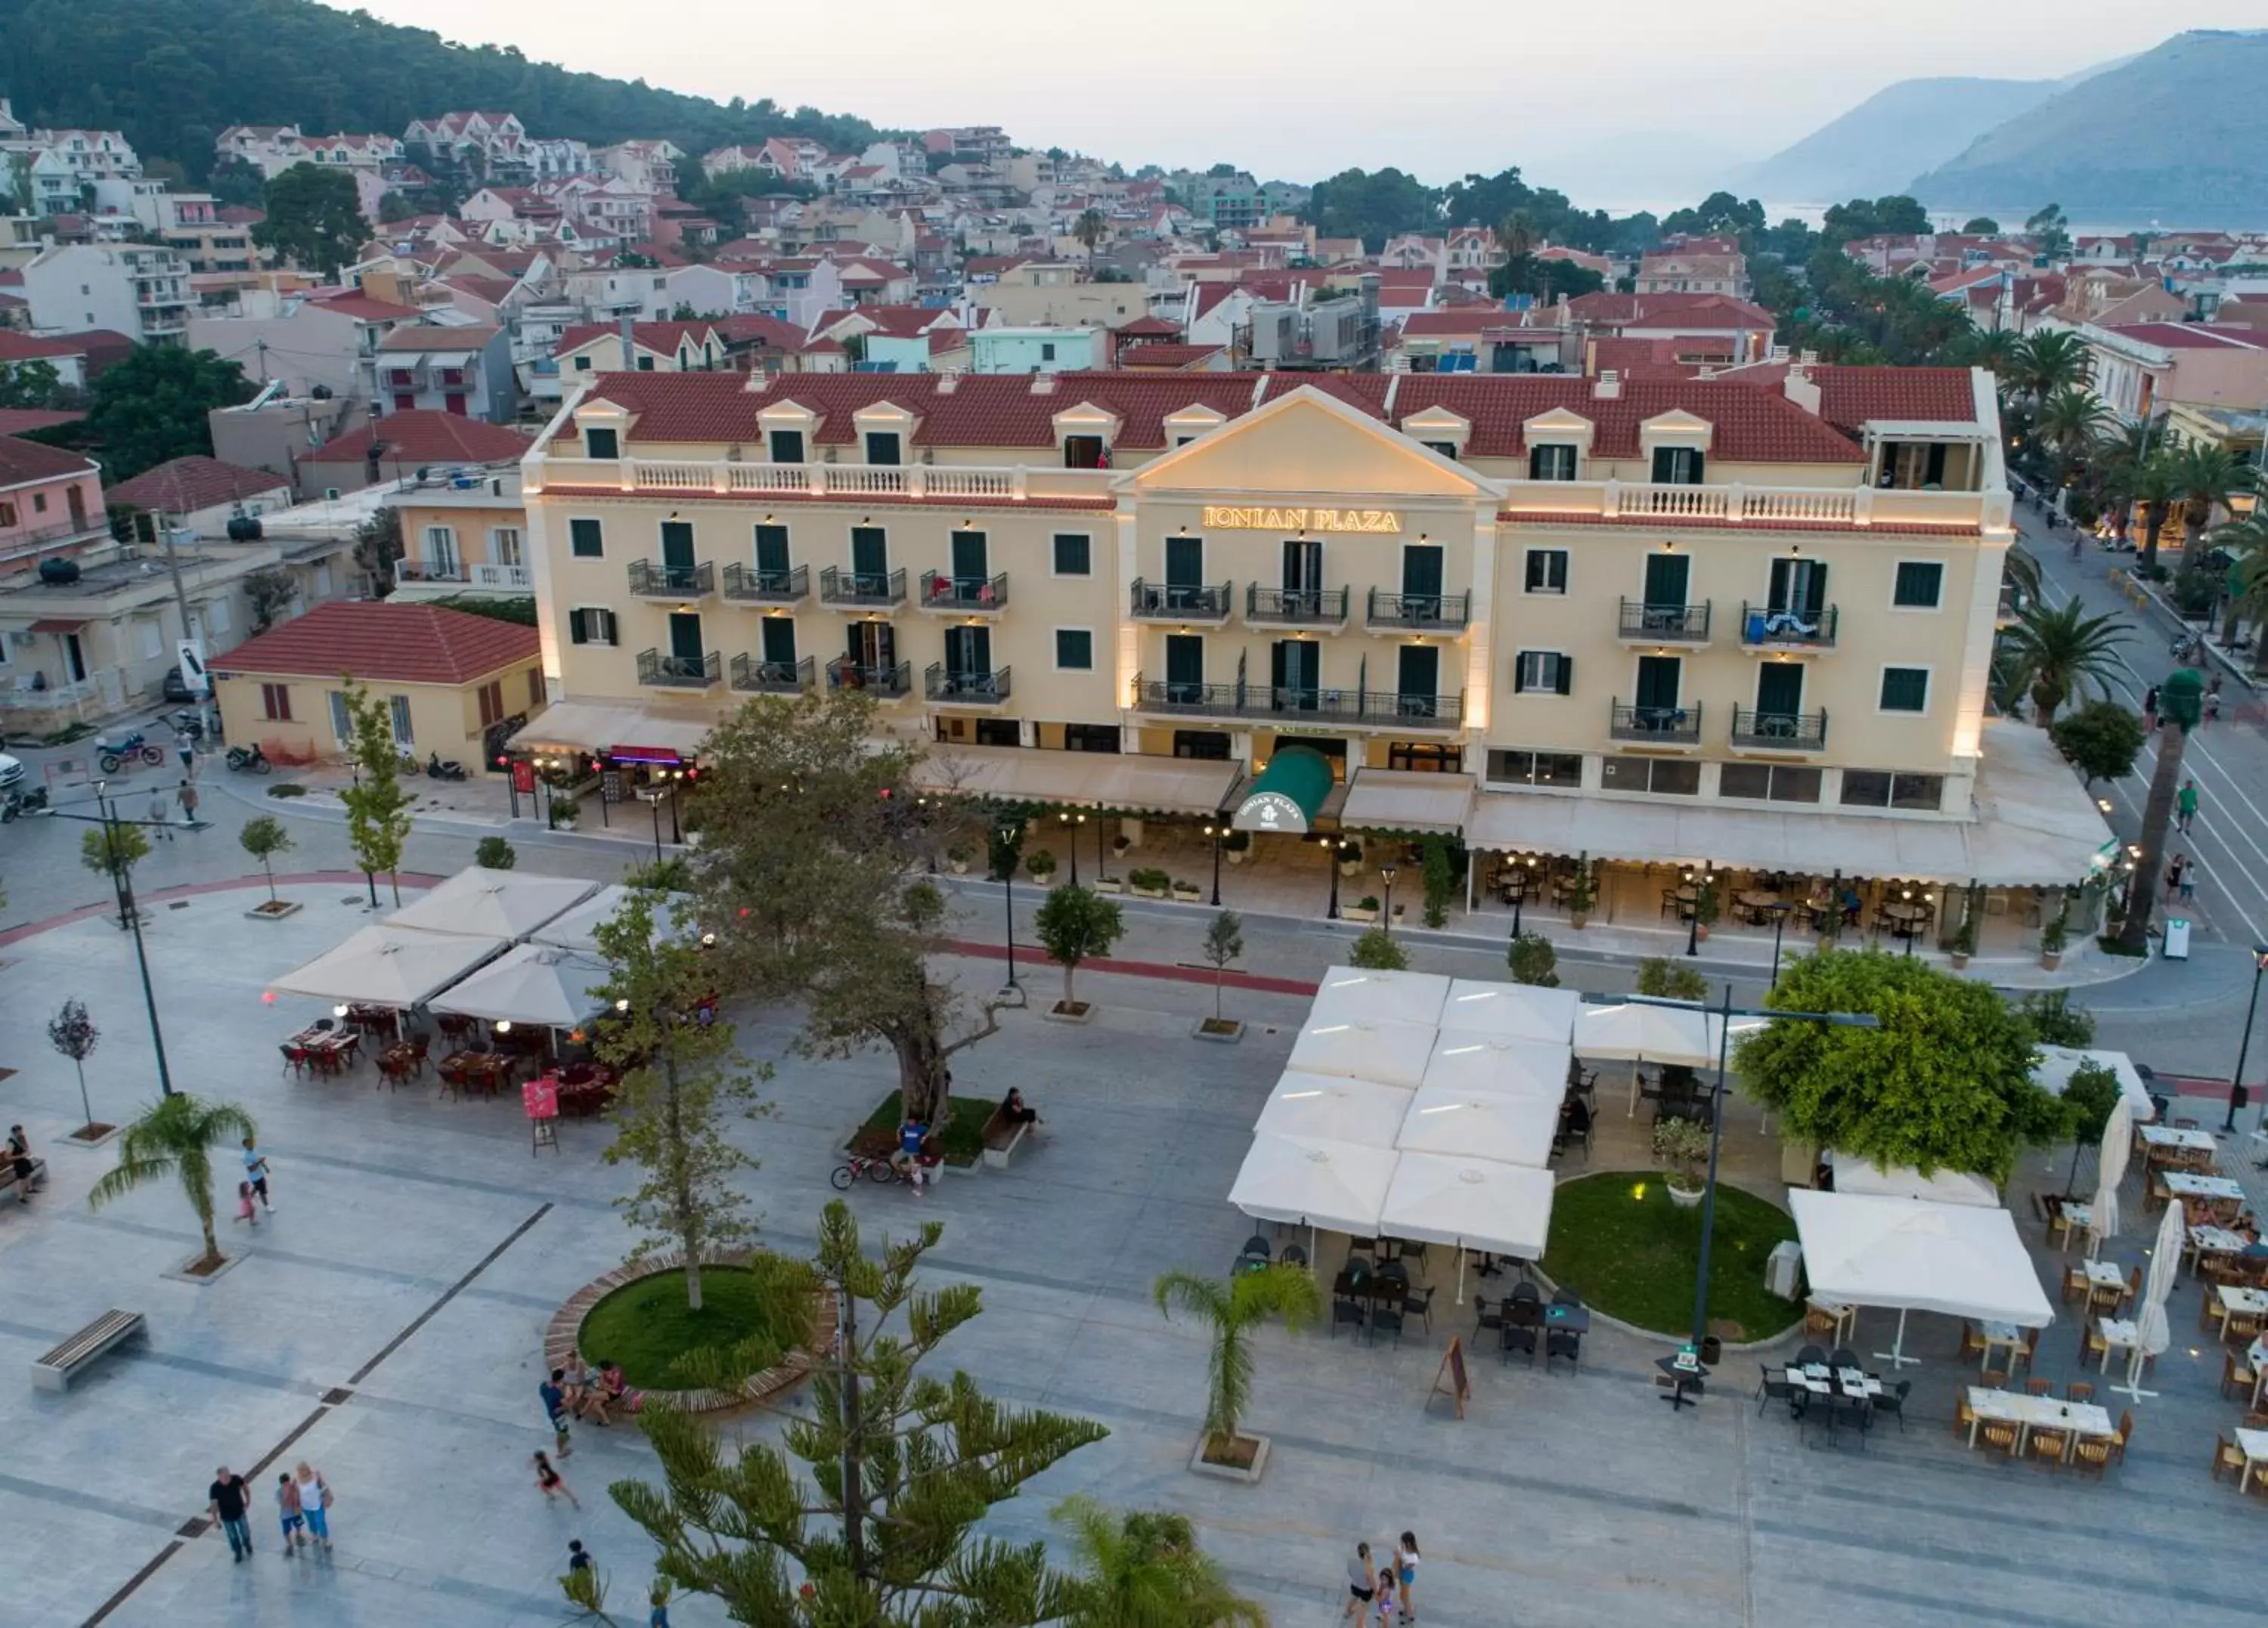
x=1683, y=1146
x=1040, y=863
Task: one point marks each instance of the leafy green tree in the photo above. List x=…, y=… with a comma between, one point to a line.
x=269, y=591
x=1944, y=1083
x=495, y=854
x=1376, y=951
x=315, y=219
x=1144, y=1570
x=1671, y=980
x=873, y=1497
x=2152, y=486
x=175, y=1136
x=1980, y=226
x=112, y=850
x=1223, y=948
x=2054, y=1020
x=264, y=837
x=1372, y=205
x=1550, y=281
x=677, y=1084
x=2049, y=359
x=72, y=1032
x=2059, y=651
x=1895, y=215
x=1232, y=1309
x=378, y=549
x=1532, y=960
x=1077, y=924
x=2244, y=541
x=2088, y=1097
x=151, y=403
x=1720, y=214
x=1090, y=229
x=2157, y=820
x=34, y=383
x=378, y=807
x=2050, y=230
x=2102, y=739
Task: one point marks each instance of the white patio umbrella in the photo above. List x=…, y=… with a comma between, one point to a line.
x=1390, y=1053
x=1961, y=1260
x=1498, y=1064
x=2110, y=1170
x=1311, y=1182
x=1469, y=1204
x=1364, y=995
x=1334, y=1108
x=387, y=965
x=1638, y=1034
x=494, y=904
x=1516, y=1011
x=533, y=984
x=672, y=917
x=2059, y=1063
x=1480, y=1125
x=2154, y=1333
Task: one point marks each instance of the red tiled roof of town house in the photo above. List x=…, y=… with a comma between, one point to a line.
x=103, y=348
x=385, y=641
x=494, y=291
x=2190, y=336
x=661, y=338
x=22, y=461
x=435, y=338
x=364, y=309
x=1147, y=327
x=15, y=347
x=903, y=321
x=24, y=420
x=182, y=484
x=1464, y=320
x=1163, y=353
x=1688, y=310
x=424, y=435
x=1653, y=358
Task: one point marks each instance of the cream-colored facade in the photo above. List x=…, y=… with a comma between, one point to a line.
x=1764, y=613
x=462, y=535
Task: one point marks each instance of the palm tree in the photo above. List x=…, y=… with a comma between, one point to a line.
x=1515, y=235
x=2205, y=479
x=2071, y=421
x=1144, y=1570
x=1993, y=350
x=2248, y=541
x=2061, y=650
x=2049, y=361
x=2152, y=487
x=1234, y=1309
x=1090, y=229
x=2157, y=820
x=176, y=1137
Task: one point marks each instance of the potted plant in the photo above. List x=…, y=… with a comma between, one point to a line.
x=1041, y=864
x=1582, y=896
x=1109, y=885
x=1232, y=1309
x=1187, y=893
x=1364, y=909
x=1965, y=942
x=1120, y=843
x=1683, y=1146
x=2054, y=935
x=264, y=837
x=1830, y=922
x=1236, y=845
x=958, y=854
x=1349, y=859
x=1146, y=883
x=1705, y=908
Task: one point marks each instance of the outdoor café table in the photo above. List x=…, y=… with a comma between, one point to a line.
x=2167, y=1139
x=332, y=1048
x=2077, y=1218
x=2118, y=1334
x=2228, y=1301
x=1904, y=912
x=2217, y=1190
x=1756, y=901
x=1994, y=1334
x=1846, y=1317
x=1820, y=1380
x=2254, y=1445
x=1568, y=1319
x=2100, y=1274
x=2215, y=1241
x=2030, y=1413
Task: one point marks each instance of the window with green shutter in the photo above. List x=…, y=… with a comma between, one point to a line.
x=1905, y=689
x=1074, y=554
x=586, y=539
x=1920, y=584
x=599, y=443
x=1074, y=650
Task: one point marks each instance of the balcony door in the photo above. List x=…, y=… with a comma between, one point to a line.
x=969, y=659
x=1184, y=570
x=1421, y=580
x=441, y=554
x=873, y=649
x=1419, y=684
x=771, y=557
x=1658, y=679
x=1294, y=666
x=1668, y=577
x=1779, y=690
x=677, y=553
x=870, y=558
x=685, y=639
x=968, y=573
x=1184, y=665
x=779, y=644
x=1799, y=587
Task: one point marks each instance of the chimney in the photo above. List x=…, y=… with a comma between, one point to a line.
x=1607, y=386
x=630, y=339
x=1799, y=386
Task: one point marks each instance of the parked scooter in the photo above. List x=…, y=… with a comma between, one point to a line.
x=439, y=770
x=248, y=758
x=19, y=801
x=189, y=723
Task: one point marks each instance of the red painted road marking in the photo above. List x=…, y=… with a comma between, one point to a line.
x=190, y=890
x=1029, y=955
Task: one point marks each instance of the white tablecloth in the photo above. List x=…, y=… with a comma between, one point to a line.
x=2030, y=1413
x=2186, y=1184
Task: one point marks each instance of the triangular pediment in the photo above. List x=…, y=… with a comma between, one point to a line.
x=1308, y=444
x=1563, y=422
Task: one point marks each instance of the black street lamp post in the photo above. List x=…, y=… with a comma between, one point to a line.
x=1697, y=881
x=652, y=796
x=1005, y=836
x=1217, y=833
x=1778, y=909
x=2245, y=1045
x=130, y=916
x=1331, y=860
x=1385, y=916
x=1071, y=821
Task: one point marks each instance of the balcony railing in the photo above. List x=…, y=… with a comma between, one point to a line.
x=1295, y=607
x=936, y=482
x=1179, y=602
x=429, y=571
x=504, y=577
x=1780, y=732
x=942, y=592
x=1765, y=628
x=1665, y=624
x=1374, y=707
x=773, y=678
x=1671, y=726
x=742, y=582
x=680, y=672
x=954, y=688
x=652, y=581
x=837, y=586
x=1829, y=508
x=1429, y=612
x=888, y=682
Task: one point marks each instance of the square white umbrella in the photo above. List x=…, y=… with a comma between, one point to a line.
x=1390, y=1053
x=1637, y=1033
x=1465, y=1061
x=672, y=917
x=1960, y=1260
x=2059, y=1063
x=1311, y=1181
x=1469, y=1204
x=534, y=984
x=1516, y=1011
x=1334, y=1108
x=1480, y=1125
x=1361, y=995
x=494, y=904
x=387, y=965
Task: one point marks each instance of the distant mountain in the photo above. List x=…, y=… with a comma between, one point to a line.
x=2178, y=135
x=1878, y=145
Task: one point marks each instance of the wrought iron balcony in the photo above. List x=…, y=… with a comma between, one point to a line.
x=1769, y=628
x=1665, y=624
x=889, y=683
x=1779, y=731
x=763, y=677
x=680, y=672
x=652, y=581
x=1179, y=602
x=756, y=587
x=1373, y=708
x=954, y=688
x=1295, y=607
x=1431, y=613
x=837, y=586
x=1670, y=726
x=975, y=596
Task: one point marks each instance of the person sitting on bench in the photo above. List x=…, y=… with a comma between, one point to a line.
x=1015, y=1110
x=21, y=1163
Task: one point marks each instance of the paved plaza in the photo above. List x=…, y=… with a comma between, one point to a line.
x=385, y=1325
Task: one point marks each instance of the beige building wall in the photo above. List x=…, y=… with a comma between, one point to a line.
x=444, y=718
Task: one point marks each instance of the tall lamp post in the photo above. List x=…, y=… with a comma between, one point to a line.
x=1071, y=821
x=1778, y=910
x=1697, y=880
x=1216, y=832
x=2244, y=1046
x=1385, y=916
x=651, y=796
x=1005, y=857
x=129, y=915
x=1332, y=848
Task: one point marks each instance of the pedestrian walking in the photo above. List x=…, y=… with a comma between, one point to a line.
x=2185, y=802
x=658, y=1598
x=161, y=816
x=20, y=1164
x=553, y=1484
x=1388, y=1602
x=2150, y=708
x=579, y=1559
x=314, y=1501
x=188, y=798
x=2211, y=706
x=553, y=1393
x=225, y=1501
x=244, y=1210
x=185, y=744
x=1405, y=1572
x=2175, y=872
x=1362, y=1584
x=287, y=1512
x=255, y=1171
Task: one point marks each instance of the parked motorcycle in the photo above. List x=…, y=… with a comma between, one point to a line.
x=113, y=754
x=251, y=759
x=19, y=801
x=190, y=723
x=439, y=770
x=410, y=764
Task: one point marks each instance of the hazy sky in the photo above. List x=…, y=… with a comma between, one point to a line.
x=1573, y=97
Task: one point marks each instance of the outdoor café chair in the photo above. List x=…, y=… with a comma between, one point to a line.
x=1293, y=1255
x=1521, y=1338
x=1254, y=1254
x=1344, y=1311
x=1843, y=1357
x=1894, y=1401
x=1773, y=1385
x=1385, y=1316
x=1561, y=1343
x=1811, y=1357
x=1490, y=1315
x=2048, y=1447
x=1565, y=1297
x=1419, y=1304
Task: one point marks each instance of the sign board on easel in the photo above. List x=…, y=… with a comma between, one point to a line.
x=2177, y=946
x=539, y=1097
x=1452, y=1377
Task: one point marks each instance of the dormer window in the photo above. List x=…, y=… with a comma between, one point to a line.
x=1677, y=466
x=1085, y=452
x=883, y=447
x=785, y=445
x=602, y=444
x=1555, y=462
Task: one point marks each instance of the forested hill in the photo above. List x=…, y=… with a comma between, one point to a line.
x=173, y=73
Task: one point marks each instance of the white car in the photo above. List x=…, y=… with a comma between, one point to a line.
x=12, y=773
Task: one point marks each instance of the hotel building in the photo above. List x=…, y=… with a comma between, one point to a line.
x=1740, y=624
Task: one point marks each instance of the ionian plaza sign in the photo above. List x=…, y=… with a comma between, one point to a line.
x=1223, y=518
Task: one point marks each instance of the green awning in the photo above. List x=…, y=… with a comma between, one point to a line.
x=1289, y=793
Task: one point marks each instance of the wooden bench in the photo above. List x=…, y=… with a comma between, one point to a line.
x=56, y=1369
x=8, y=1178
x=1004, y=1141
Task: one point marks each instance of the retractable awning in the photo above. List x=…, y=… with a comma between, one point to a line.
x=1135, y=782
x=1289, y=793
x=1401, y=800
x=597, y=727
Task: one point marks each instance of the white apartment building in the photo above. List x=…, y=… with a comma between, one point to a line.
x=135, y=289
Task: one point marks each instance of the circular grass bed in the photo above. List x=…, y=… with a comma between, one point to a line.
x=1617, y=1239
x=645, y=1325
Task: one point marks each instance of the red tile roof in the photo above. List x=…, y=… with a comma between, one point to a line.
x=24, y=420
x=423, y=436
x=663, y=339
x=1851, y=396
x=431, y=337
x=1160, y=353
x=394, y=643
x=23, y=461
x=1147, y=327
x=2190, y=336
x=1464, y=320
x=1687, y=311
x=183, y=484
x=364, y=308
x=15, y=347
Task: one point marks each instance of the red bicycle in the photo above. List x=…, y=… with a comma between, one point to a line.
x=875, y=1167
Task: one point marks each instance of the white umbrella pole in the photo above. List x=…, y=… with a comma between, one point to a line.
x=2133, y=1385
x=1896, y=1356
x=1461, y=1274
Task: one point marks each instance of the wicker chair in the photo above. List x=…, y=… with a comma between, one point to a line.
x=1994, y=1379
x=2048, y=1447
x=1964, y=1417
x=2228, y=1457
x=2125, y=1434
x=2078, y=1391
x=2000, y=1436
x=2092, y=1346
x=2037, y=1387
x=2235, y=1377
x=2092, y=1453
x=2074, y=1284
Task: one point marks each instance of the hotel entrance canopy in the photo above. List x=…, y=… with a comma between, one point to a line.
x=1138, y=785
x=1288, y=795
